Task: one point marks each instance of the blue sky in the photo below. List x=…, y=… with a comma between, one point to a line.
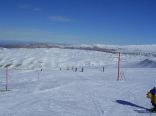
x=79, y=21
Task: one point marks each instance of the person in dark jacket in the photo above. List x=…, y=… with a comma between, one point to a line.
x=152, y=96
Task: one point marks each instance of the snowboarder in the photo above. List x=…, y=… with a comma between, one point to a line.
x=152, y=96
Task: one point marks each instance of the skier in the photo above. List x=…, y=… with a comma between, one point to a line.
x=152, y=96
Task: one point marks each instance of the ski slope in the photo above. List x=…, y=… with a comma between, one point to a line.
x=54, y=58
x=52, y=92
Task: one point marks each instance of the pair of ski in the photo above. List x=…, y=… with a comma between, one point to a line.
x=145, y=111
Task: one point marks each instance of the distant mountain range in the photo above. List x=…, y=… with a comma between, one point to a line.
x=146, y=50
x=31, y=45
x=63, y=46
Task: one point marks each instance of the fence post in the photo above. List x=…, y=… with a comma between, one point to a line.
x=103, y=69
x=6, y=78
x=76, y=69
x=118, y=67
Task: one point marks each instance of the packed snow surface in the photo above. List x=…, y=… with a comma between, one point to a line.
x=55, y=92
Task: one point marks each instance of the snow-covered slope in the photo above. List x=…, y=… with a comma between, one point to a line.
x=54, y=92
x=56, y=58
x=68, y=93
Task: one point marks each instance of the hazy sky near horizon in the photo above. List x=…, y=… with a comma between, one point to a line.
x=79, y=21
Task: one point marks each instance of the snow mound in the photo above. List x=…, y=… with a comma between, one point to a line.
x=147, y=63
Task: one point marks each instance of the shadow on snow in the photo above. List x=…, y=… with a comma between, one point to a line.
x=130, y=104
